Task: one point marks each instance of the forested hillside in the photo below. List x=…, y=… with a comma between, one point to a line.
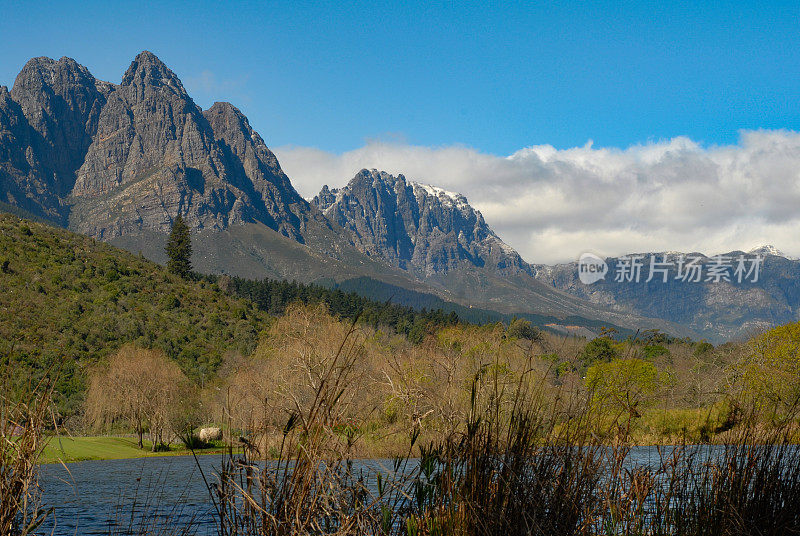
x=68, y=301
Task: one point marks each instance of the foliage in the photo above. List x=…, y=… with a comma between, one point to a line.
x=69, y=300
x=600, y=349
x=179, y=249
x=770, y=372
x=622, y=386
x=519, y=461
x=703, y=347
x=652, y=351
x=275, y=296
x=522, y=329
x=144, y=388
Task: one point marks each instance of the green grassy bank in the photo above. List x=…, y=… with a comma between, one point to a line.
x=75, y=449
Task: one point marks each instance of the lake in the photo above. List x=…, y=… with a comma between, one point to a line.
x=103, y=497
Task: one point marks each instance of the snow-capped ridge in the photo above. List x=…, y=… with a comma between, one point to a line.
x=769, y=249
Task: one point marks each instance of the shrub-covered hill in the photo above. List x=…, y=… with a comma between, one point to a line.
x=65, y=298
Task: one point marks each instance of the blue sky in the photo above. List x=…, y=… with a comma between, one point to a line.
x=692, y=108
x=494, y=77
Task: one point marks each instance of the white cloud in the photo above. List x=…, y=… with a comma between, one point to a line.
x=552, y=205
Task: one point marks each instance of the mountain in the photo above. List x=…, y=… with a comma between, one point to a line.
x=119, y=162
x=416, y=227
x=46, y=125
x=110, y=160
x=440, y=239
x=717, y=310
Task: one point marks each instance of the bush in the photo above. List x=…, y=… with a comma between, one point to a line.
x=623, y=386
x=652, y=351
x=523, y=329
x=599, y=349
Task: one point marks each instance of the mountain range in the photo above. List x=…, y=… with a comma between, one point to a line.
x=718, y=310
x=119, y=162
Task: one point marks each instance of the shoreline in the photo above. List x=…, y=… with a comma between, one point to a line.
x=66, y=450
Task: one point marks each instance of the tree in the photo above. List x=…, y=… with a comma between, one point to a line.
x=144, y=388
x=769, y=375
x=623, y=386
x=601, y=349
x=179, y=248
x=523, y=329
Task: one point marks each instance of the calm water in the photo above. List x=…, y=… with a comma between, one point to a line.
x=105, y=497
x=109, y=497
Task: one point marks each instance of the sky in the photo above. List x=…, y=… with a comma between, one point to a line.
x=573, y=126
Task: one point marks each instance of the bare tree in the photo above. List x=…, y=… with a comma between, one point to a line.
x=143, y=387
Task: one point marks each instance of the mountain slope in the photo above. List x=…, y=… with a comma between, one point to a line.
x=65, y=298
x=440, y=239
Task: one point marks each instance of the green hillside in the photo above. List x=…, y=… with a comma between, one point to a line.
x=68, y=301
x=65, y=298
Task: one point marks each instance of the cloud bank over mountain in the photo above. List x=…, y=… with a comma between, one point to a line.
x=552, y=205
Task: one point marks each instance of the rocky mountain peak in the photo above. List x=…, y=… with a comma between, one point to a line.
x=445, y=197
x=227, y=118
x=112, y=160
x=61, y=103
x=48, y=75
x=147, y=70
x=325, y=198
x=227, y=112
x=416, y=227
x=768, y=249
x=254, y=169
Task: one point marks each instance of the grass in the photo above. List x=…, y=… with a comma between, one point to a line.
x=84, y=448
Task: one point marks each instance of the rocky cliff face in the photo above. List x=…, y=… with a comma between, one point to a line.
x=416, y=227
x=118, y=159
x=46, y=125
x=255, y=170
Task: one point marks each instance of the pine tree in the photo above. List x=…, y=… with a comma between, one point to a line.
x=179, y=248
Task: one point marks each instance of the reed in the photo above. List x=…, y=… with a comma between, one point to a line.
x=22, y=423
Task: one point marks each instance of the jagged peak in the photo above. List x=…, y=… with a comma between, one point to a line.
x=45, y=63
x=447, y=197
x=326, y=198
x=224, y=107
x=43, y=71
x=148, y=70
x=228, y=112
x=37, y=62
x=66, y=60
x=376, y=177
